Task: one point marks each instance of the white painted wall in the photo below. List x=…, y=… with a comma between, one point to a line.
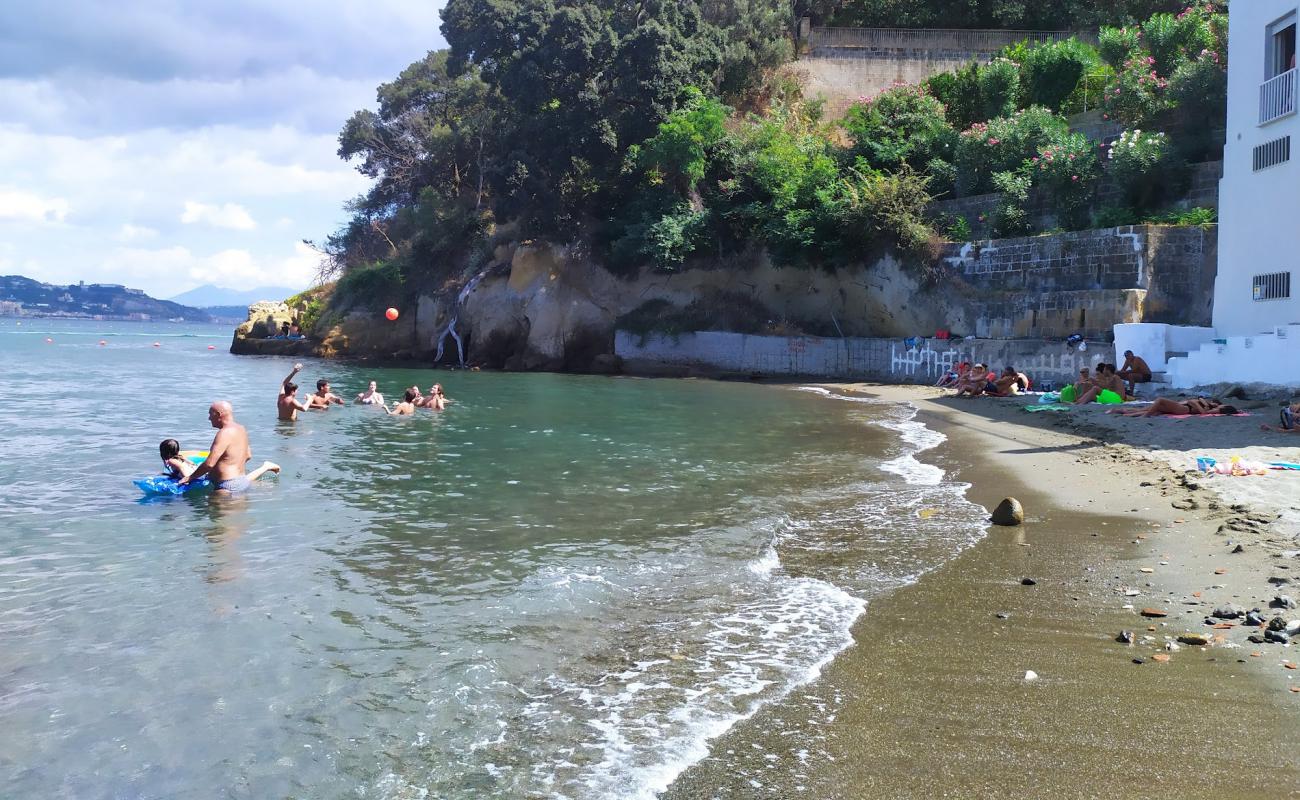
x=1154, y=341
x=1259, y=212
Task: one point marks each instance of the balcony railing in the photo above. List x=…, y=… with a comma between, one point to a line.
x=1277, y=97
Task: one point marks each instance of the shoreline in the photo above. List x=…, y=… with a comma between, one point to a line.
x=931, y=699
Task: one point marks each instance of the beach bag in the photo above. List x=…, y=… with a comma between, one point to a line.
x=1288, y=419
x=1068, y=395
x=1107, y=397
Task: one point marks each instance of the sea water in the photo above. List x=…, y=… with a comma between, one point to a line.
x=561, y=586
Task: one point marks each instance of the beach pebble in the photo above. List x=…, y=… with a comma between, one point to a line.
x=1198, y=639
x=1279, y=637
x=1139, y=661
x=1241, y=548
x=1009, y=513
x=1125, y=637
x=1028, y=582
x=1278, y=580
x=1003, y=615
x=1293, y=627
x=1227, y=612
x=1255, y=618
x=1131, y=593
x=1154, y=612
x=1160, y=657
x=1282, y=601
x=1256, y=638
x=1030, y=675
x=1277, y=624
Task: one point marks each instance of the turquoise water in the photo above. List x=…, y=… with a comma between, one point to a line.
x=561, y=586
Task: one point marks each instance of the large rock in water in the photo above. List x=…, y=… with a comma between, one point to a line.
x=1009, y=512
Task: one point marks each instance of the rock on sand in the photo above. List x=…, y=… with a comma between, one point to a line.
x=1009, y=513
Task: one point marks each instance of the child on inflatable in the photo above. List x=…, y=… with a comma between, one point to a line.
x=178, y=463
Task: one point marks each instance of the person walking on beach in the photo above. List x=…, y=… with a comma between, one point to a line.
x=228, y=453
x=288, y=405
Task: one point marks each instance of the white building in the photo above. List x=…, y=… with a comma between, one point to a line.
x=1256, y=335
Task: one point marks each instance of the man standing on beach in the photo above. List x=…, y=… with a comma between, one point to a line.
x=227, y=454
x=287, y=405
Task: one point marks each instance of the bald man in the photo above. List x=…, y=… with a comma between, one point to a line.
x=228, y=453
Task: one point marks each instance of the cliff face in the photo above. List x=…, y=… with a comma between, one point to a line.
x=548, y=307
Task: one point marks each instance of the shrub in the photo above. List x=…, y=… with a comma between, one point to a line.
x=999, y=88
x=959, y=92
x=1115, y=217
x=1146, y=168
x=678, y=152
x=1011, y=217
x=1198, y=92
x=663, y=241
x=1192, y=216
x=960, y=230
x=1050, y=72
x=1118, y=45
x=880, y=205
x=943, y=176
x=1067, y=169
x=372, y=286
x=904, y=125
x=1004, y=144
x=1137, y=94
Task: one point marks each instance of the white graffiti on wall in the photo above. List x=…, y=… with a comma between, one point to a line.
x=926, y=361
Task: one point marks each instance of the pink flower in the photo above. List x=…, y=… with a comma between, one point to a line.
x=1075, y=178
x=995, y=141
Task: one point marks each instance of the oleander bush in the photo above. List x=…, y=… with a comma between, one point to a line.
x=1004, y=144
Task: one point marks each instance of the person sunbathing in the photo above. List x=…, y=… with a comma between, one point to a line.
x=1290, y=421
x=975, y=382
x=1134, y=371
x=1010, y=384
x=1194, y=407
x=954, y=376
x=1106, y=380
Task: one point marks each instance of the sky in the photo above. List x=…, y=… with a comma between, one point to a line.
x=166, y=144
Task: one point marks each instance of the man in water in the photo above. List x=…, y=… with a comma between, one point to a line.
x=227, y=454
x=1134, y=371
x=288, y=406
x=323, y=396
x=371, y=396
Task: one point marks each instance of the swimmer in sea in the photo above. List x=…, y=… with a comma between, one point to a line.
x=288, y=405
x=406, y=407
x=178, y=463
x=228, y=454
x=371, y=396
x=323, y=396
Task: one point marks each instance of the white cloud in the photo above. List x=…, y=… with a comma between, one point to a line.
x=171, y=270
x=230, y=215
x=135, y=233
x=16, y=204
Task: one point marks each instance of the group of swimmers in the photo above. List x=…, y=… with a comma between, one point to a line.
x=227, y=457
x=289, y=405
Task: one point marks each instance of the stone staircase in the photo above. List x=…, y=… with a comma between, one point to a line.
x=1268, y=358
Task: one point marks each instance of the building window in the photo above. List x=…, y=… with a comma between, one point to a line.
x=1281, y=47
x=1270, y=154
x=1274, y=286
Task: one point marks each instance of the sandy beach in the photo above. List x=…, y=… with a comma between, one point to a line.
x=933, y=701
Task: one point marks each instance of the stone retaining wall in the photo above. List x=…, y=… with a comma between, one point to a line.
x=883, y=360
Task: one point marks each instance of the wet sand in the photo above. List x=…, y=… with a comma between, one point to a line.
x=932, y=700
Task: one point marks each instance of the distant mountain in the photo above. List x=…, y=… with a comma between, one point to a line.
x=209, y=295
x=25, y=297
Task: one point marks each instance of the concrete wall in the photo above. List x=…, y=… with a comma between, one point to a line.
x=885, y=360
x=844, y=65
x=1259, y=211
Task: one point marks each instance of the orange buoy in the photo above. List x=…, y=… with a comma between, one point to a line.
x=157, y=344
x=391, y=313
x=48, y=340
x=102, y=343
x=212, y=347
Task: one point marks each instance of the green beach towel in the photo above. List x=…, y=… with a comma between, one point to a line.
x=1035, y=408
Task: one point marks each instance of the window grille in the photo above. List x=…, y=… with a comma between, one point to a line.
x=1270, y=154
x=1274, y=286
